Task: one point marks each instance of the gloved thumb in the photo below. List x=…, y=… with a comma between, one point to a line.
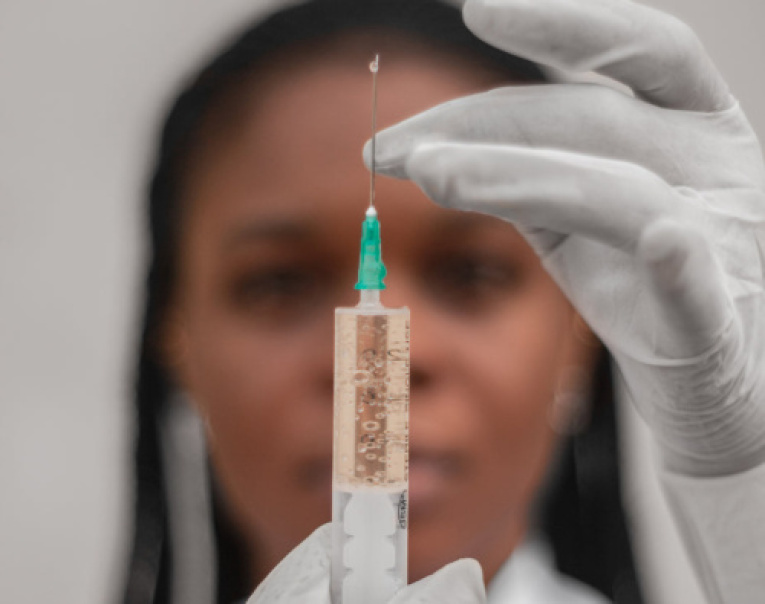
x=460, y=582
x=689, y=286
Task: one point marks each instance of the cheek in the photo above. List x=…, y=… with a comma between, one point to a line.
x=521, y=353
x=515, y=365
x=267, y=401
x=241, y=373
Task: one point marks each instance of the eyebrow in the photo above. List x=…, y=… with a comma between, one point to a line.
x=275, y=229
x=287, y=230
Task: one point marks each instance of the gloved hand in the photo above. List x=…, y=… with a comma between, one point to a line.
x=648, y=211
x=303, y=578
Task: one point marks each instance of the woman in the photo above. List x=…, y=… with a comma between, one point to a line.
x=255, y=209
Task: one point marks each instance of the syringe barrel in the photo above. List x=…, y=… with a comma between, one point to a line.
x=371, y=452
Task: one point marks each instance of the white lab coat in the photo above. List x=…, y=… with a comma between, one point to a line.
x=529, y=577
x=722, y=522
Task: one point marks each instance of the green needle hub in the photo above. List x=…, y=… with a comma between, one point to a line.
x=371, y=268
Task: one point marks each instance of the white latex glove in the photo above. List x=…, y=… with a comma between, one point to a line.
x=649, y=212
x=303, y=578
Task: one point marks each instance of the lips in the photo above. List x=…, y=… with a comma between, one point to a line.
x=432, y=477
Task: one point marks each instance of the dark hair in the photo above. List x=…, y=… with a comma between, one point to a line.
x=583, y=518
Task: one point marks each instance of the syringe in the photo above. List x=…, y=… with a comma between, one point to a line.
x=371, y=432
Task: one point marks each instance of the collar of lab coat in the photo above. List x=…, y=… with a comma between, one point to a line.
x=529, y=577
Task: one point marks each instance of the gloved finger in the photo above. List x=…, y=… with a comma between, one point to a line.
x=653, y=53
x=460, y=582
x=566, y=193
x=588, y=119
x=689, y=286
x=303, y=576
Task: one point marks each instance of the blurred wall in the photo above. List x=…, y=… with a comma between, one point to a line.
x=82, y=83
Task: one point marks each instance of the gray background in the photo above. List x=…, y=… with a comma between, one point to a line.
x=81, y=86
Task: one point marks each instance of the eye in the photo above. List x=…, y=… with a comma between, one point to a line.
x=276, y=290
x=471, y=280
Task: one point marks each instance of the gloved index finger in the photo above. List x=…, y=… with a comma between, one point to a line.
x=653, y=53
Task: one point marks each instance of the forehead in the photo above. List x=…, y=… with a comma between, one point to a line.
x=292, y=139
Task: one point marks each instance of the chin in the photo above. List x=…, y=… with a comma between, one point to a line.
x=432, y=544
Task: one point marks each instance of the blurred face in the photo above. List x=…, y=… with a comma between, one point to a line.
x=270, y=247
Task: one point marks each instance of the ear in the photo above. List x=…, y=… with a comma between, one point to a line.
x=172, y=345
x=569, y=411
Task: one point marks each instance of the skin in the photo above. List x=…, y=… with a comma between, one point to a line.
x=269, y=249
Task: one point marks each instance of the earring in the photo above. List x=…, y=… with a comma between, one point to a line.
x=569, y=411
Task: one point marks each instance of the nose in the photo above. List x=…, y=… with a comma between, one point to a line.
x=429, y=354
x=429, y=350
